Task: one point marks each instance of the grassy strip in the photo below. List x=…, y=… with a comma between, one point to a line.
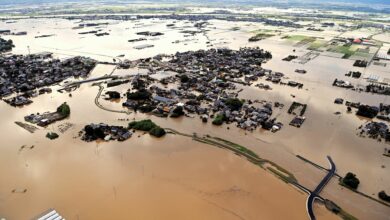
x=285, y=179
x=280, y=172
x=291, y=178
x=333, y=207
x=238, y=147
x=284, y=174
x=260, y=36
x=346, y=216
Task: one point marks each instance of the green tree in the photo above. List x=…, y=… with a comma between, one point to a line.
x=64, y=109
x=157, y=131
x=143, y=125
x=177, y=112
x=52, y=135
x=351, y=181
x=382, y=195
x=139, y=95
x=149, y=126
x=184, y=78
x=234, y=103
x=219, y=119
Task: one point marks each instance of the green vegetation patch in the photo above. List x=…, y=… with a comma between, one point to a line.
x=346, y=216
x=234, y=103
x=143, y=125
x=298, y=37
x=350, y=180
x=382, y=195
x=64, y=110
x=157, y=131
x=149, y=126
x=283, y=177
x=333, y=207
x=260, y=36
x=317, y=45
x=238, y=147
x=347, y=50
x=52, y=135
x=219, y=119
x=363, y=55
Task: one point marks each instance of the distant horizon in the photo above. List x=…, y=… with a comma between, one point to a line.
x=284, y=2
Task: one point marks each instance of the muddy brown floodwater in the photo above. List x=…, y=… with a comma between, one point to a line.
x=175, y=177
x=142, y=178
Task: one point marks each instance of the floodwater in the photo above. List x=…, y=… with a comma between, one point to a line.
x=142, y=178
x=174, y=177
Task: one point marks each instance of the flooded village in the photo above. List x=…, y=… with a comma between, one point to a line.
x=182, y=116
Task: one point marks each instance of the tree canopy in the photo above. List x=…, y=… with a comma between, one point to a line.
x=350, y=180
x=64, y=109
x=234, y=103
x=149, y=126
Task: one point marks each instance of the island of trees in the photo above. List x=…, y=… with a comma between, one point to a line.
x=351, y=181
x=149, y=126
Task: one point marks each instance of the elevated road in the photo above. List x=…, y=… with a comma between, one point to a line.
x=315, y=194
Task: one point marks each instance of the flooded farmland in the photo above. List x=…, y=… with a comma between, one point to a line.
x=176, y=176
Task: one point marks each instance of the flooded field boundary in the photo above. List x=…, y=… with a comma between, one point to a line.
x=340, y=182
x=265, y=164
x=239, y=150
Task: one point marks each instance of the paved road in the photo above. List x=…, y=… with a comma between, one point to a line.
x=314, y=195
x=97, y=103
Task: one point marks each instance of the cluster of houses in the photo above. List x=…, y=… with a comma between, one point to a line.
x=376, y=130
x=43, y=119
x=150, y=33
x=105, y=132
x=374, y=88
x=47, y=118
x=354, y=74
x=384, y=112
x=193, y=18
x=378, y=89
x=298, y=110
x=205, y=85
x=360, y=63
x=342, y=84
x=349, y=41
x=30, y=75
x=369, y=111
x=8, y=32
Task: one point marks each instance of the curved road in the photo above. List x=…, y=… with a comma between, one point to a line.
x=314, y=195
x=97, y=103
